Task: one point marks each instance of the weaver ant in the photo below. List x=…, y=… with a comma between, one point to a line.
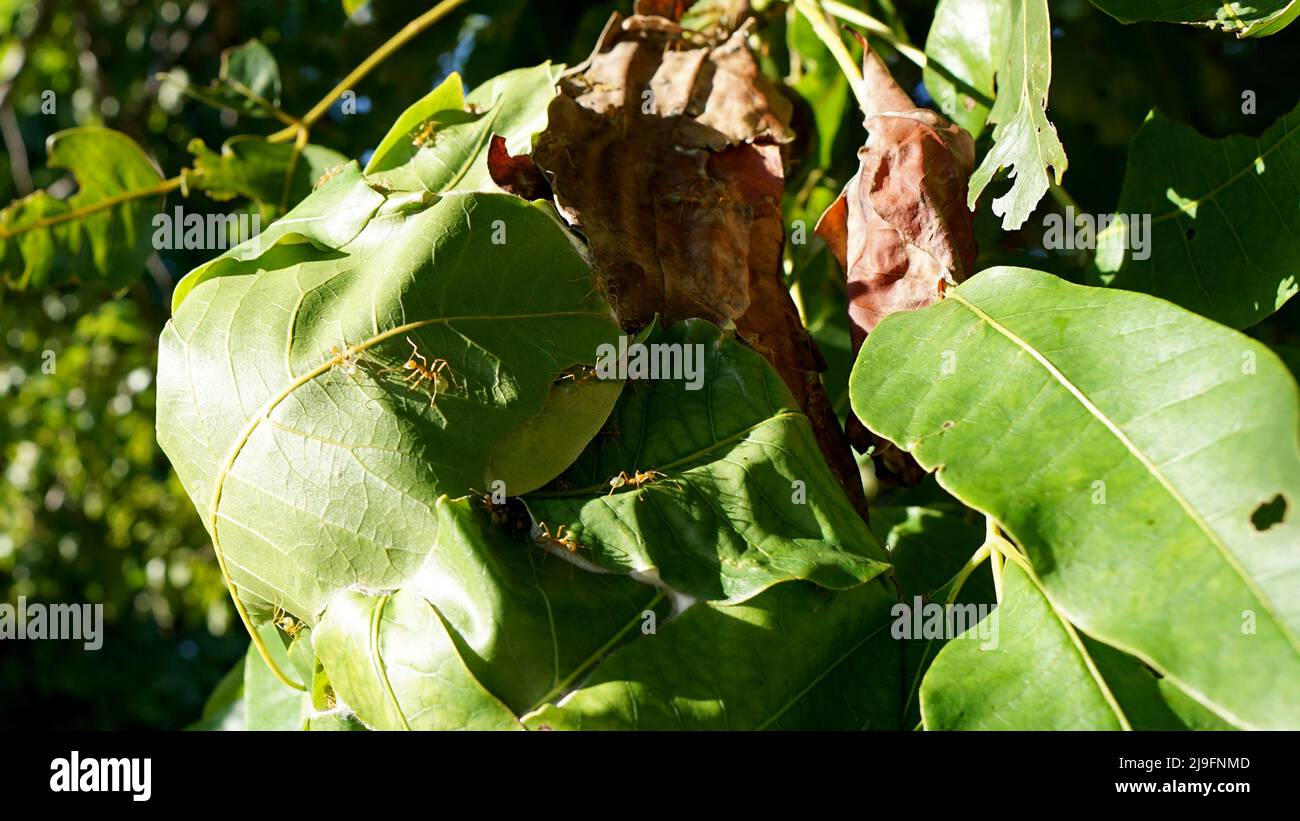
x=637, y=479
x=559, y=539
x=286, y=622
x=421, y=370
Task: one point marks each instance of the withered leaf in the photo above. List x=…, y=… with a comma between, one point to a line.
x=665, y=152
x=516, y=175
x=901, y=229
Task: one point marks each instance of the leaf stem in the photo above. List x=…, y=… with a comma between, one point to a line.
x=895, y=37
x=829, y=34
x=401, y=38
x=94, y=207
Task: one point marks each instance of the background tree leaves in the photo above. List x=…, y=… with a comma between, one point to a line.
x=100, y=230
x=248, y=82
x=1224, y=237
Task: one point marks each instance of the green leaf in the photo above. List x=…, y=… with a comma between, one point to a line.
x=330, y=218
x=929, y=548
x=1149, y=702
x=224, y=709
x=1125, y=446
x=440, y=143
x=1023, y=138
x=444, y=103
x=524, y=624
x=274, y=174
x=821, y=83
x=1032, y=673
x=100, y=231
x=269, y=703
x=391, y=657
x=793, y=657
x=1247, y=19
x=740, y=497
x=966, y=46
x=282, y=403
x=248, y=82
x=1223, y=237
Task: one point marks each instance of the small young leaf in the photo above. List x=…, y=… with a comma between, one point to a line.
x=1023, y=138
x=101, y=230
x=248, y=82
x=268, y=173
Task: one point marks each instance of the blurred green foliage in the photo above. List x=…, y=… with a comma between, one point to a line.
x=90, y=511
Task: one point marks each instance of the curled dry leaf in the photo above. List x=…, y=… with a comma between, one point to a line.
x=516, y=175
x=665, y=152
x=901, y=229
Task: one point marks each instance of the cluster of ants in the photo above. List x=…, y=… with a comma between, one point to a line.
x=516, y=520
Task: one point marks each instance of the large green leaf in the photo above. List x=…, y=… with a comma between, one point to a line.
x=100, y=231
x=1257, y=18
x=740, y=498
x=507, y=624
x=1031, y=670
x=441, y=142
x=1023, y=138
x=314, y=465
x=793, y=657
x=1224, y=220
x=393, y=659
x=966, y=46
x=1035, y=674
x=1139, y=453
x=329, y=219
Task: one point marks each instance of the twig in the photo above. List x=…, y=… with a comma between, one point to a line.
x=401, y=38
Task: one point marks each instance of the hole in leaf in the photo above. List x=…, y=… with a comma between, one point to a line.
x=1268, y=514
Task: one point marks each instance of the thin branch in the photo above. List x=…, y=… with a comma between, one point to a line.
x=401, y=38
x=13, y=139
x=94, y=207
x=829, y=34
x=857, y=17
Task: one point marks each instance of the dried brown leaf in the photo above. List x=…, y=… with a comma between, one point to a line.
x=901, y=229
x=666, y=154
x=516, y=175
